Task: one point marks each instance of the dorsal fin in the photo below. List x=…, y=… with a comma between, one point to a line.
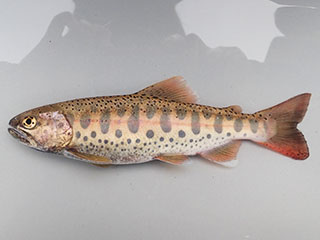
x=225, y=153
x=174, y=88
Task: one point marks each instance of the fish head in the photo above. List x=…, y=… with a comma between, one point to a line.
x=45, y=129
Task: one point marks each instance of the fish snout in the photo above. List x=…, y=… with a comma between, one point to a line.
x=14, y=122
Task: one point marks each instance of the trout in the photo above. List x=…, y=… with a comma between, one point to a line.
x=161, y=122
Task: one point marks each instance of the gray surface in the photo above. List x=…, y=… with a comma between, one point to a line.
x=117, y=47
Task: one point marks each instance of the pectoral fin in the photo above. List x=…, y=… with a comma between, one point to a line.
x=172, y=159
x=97, y=160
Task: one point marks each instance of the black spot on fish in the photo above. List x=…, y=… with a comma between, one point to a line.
x=93, y=134
x=118, y=133
x=150, y=134
x=182, y=134
x=78, y=134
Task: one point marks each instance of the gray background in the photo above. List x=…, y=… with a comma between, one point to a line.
x=117, y=47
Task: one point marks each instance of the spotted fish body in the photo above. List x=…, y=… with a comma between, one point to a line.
x=163, y=122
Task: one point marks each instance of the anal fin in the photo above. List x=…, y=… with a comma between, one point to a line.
x=172, y=159
x=224, y=155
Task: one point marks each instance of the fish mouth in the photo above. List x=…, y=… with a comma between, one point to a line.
x=25, y=139
x=20, y=135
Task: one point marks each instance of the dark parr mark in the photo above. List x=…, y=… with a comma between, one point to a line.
x=238, y=125
x=93, y=108
x=182, y=134
x=133, y=121
x=93, y=134
x=181, y=113
x=165, y=122
x=150, y=134
x=254, y=124
x=105, y=121
x=85, y=120
x=195, y=123
x=150, y=111
x=265, y=126
x=85, y=138
x=118, y=133
x=121, y=111
x=207, y=114
x=70, y=118
x=229, y=117
x=218, y=123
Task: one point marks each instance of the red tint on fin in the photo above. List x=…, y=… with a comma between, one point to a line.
x=288, y=140
x=174, y=88
x=172, y=159
x=224, y=153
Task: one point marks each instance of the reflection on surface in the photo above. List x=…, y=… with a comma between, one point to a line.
x=20, y=30
x=109, y=43
x=247, y=24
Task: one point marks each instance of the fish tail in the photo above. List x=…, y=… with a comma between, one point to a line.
x=286, y=138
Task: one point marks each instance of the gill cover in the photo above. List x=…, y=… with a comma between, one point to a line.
x=53, y=132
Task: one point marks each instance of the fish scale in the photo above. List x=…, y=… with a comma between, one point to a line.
x=161, y=122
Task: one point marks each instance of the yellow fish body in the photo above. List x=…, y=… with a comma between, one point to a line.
x=161, y=122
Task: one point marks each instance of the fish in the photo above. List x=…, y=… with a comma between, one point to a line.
x=161, y=122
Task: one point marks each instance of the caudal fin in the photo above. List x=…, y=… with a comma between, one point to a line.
x=288, y=140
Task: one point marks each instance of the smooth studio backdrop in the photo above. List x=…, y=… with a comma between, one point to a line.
x=252, y=53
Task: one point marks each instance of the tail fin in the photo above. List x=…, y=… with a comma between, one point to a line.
x=288, y=140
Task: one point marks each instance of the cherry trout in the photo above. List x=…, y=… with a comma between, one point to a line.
x=161, y=122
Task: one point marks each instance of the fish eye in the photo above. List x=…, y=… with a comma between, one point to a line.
x=29, y=122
